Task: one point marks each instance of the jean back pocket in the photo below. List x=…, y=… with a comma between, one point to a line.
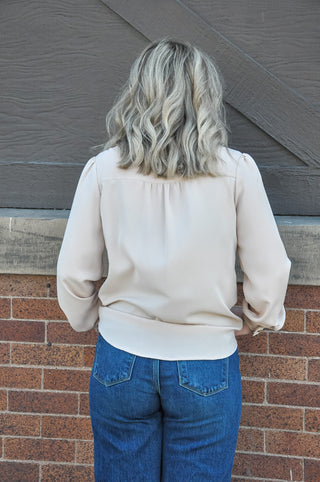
x=111, y=365
x=204, y=377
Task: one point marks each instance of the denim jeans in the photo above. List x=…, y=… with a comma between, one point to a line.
x=169, y=421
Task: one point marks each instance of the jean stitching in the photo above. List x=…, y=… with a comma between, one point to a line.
x=183, y=383
x=156, y=375
x=227, y=373
x=124, y=378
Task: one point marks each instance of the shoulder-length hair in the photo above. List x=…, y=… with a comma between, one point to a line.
x=169, y=118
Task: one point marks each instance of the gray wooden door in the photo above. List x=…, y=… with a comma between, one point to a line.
x=63, y=63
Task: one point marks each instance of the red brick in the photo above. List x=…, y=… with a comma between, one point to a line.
x=20, y=377
x=253, y=344
x=13, y=330
x=52, y=286
x=314, y=370
x=293, y=394
x=63, y=333
x=43, y=402
x=18, y=472
x=250, y=440
x=23, y=285
x=55, y=355
x=313, y=321
x=20, y=425
x=240, y=479
x=268, y=467
x=84, y=404
x=88, y=356
x=311, y=470
x=272, y=417
x=312, y=421
x=3, y=400
x=71, y=380
x=273, y=367
x=294, y=345
x=67, y=427
x=240, y=295
x=36, y=309
x=292, y=443
x=252, y=391
x=294, y=321
x=305, y=297
x=5, y=304
x=39, y=449
x=84, y=452
x=4, y=353
x=99, y=283
x=53, y=472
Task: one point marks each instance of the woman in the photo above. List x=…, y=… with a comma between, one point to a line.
x=171, y=203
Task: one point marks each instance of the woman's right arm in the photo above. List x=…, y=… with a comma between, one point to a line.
x=262, y=255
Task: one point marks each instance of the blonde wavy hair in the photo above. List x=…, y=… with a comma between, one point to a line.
x=169, y=118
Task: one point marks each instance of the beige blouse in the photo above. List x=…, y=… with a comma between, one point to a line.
x=171, y=248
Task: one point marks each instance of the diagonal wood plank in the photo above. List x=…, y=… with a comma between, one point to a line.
x=250, y=88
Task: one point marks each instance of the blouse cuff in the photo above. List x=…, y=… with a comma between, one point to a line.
x=255, y=330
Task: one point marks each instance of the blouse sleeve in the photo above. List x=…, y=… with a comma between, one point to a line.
x=262, y=255
x=80, y=258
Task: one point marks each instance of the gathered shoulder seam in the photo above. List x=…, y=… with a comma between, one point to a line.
x=97, y=177
x=242, y=155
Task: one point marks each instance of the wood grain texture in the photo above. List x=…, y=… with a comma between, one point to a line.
x=291, y=190
x=38, y=185
x=257, y=93
x=282, y=36
x=62, y=64
x=246, y=136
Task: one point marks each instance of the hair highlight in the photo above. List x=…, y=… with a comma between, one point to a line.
x=169, y=118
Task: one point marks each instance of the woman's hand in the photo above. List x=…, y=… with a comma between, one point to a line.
x=245, y=330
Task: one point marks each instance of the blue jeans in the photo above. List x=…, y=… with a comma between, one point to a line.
x=169, y=421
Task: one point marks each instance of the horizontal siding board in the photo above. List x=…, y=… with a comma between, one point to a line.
x=293, y=190
x=52, y=186
x=62, y=64
x=39, y=186
x=257, y=93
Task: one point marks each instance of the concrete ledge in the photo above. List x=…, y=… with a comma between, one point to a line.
x=31, y=239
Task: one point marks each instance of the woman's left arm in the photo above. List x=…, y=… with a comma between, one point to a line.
x=80, y=258
x=245, y=330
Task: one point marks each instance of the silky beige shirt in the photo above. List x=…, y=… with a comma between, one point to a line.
x=171, y=248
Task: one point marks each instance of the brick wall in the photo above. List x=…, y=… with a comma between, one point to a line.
x=44, y=374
